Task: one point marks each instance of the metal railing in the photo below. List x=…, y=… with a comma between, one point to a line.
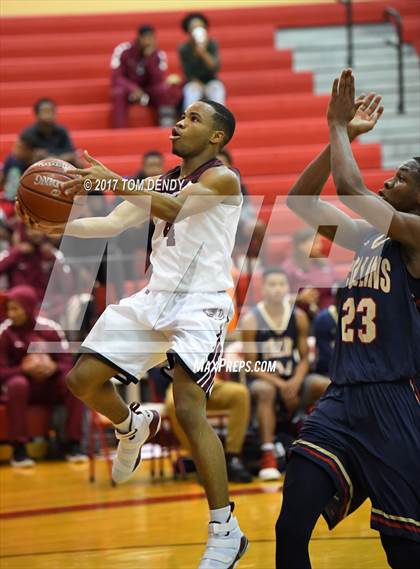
x=392, y=15
x=348, y=5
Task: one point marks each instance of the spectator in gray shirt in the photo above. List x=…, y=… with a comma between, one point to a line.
x=200, y=62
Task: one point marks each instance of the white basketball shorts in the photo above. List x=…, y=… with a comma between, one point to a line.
x=152, y=327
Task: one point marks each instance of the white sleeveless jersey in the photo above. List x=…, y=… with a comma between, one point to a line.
x=194, y=254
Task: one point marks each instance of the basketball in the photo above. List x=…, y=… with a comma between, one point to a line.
x=40, y=193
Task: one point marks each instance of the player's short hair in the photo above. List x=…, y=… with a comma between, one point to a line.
x=38, y=104
x=145, y=29
x=185, y=24
x=223, y=119
x=152, y=154
x=274, y=271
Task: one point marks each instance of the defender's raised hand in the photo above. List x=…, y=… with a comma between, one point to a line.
x=367, y=115
x=342, y=106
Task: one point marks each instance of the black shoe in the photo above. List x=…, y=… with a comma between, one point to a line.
x=20, y=457
x=236, y=470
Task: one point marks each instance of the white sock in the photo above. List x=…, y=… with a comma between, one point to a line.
x=220, y=515
x=267, y=446
x=124, y=426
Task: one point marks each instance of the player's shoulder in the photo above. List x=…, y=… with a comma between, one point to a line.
x=222, y=177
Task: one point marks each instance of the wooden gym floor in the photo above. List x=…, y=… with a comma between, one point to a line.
x=52, y=517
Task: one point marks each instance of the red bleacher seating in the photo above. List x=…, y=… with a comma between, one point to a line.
x=281, y=123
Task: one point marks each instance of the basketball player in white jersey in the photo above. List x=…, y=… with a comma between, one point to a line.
x=181, y=315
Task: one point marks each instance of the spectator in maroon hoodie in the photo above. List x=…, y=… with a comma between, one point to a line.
x=31, y=260
x=34, y=378
x=139, y=76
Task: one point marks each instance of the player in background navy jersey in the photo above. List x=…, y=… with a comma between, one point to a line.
x=362, y=441
x=275, y=331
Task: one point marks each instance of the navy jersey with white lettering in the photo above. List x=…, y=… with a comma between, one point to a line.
x=378, y=334
x=276, y=343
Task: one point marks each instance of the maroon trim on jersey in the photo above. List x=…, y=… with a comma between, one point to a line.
x=173, y=173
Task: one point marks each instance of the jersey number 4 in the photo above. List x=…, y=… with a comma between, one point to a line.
x=367, y=332
x=169, y=233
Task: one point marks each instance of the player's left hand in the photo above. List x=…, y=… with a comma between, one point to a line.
x=87, y=177
x=342, y=106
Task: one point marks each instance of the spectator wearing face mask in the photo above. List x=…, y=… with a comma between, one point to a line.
x=200, y=62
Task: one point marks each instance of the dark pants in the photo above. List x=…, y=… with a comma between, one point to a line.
x=161, y=95
x=307, y=491
x=21, y=392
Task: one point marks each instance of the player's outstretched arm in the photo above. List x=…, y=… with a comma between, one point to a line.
x=304, y=195
x=217, y=185
x=124, y=216
x=403, y=227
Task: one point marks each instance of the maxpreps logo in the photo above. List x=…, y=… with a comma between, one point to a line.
x=216, y=313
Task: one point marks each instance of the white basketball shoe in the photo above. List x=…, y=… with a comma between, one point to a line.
x=226, y=545
x=143, y=426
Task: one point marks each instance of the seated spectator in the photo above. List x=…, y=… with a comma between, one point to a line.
x=274, y=331
x=139, y=76
x=153, y=164
x=34, y=378
x=226, y=396
x=311, y=275
x=14, y=165
x=47, y=138
x=31, y=260
x=251, y=230
x=324, y=329
x=200, y=62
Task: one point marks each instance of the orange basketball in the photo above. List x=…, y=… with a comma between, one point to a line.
x=40, y=193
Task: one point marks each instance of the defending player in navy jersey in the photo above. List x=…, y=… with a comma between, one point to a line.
x=182, y=314
x=363, y=439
